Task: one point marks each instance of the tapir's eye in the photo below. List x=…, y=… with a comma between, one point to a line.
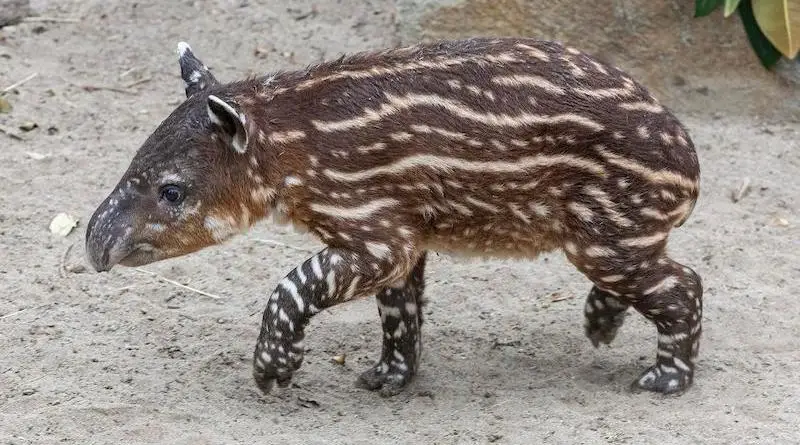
x=172, y=194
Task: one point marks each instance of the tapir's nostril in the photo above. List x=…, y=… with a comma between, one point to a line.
x=108, y=236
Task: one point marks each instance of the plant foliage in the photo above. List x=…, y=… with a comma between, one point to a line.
x=772, y=26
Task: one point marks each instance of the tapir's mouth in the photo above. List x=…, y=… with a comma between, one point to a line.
x=140, y=255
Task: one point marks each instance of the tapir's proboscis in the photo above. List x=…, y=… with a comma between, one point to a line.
x=489, y=147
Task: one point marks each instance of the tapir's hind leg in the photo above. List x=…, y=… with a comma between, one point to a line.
x=665, y=292
x=671, y=296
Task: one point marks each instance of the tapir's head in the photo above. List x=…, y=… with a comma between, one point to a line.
x=191, y=185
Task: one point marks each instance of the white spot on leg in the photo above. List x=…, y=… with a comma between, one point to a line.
x=401, y=329
x=648, y=378
x=388, y=311
x=316, y=267
x=290, y=287
x=331, y=282
x=681, y=364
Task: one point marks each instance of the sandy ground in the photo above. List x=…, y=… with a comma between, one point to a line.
x=124, y=357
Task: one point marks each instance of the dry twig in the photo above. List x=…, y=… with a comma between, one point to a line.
x=742, y=191
x=62, y=268
x=93, y=88
x=280, y=244
x=42, y=19
x=129, y=71
x=19, y=83
x=11, y=314
x=138, y=82
x=182, y=286
x=556, y=297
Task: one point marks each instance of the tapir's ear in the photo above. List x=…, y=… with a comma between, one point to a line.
x=195, y=74
x=232, y=122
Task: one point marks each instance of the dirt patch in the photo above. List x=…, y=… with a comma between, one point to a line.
x=124, y=357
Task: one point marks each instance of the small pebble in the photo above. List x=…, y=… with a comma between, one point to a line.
x=76, y=268
x=28, y=126
x=28, y=392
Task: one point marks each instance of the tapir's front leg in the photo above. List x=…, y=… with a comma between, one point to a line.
x=332, y=276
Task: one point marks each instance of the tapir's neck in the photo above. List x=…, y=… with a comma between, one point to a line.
x=278, y=152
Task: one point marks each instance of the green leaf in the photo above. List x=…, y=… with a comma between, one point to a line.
x=730, y=7
x=767, y=53
x=703, y=8
x=780, y=23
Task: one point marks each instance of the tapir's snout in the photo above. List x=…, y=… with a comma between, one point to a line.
x=109, y=235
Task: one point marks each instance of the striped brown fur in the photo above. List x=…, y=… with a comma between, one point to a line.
x=487, y=147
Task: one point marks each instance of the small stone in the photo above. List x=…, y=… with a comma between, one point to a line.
x=76, y=268
x=28, y=392
x=36, y=156
x=780, y=222
x=339, y=359
x=28, y=126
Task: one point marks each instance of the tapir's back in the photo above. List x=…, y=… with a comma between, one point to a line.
x=494, y=143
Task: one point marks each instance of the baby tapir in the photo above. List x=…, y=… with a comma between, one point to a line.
x=504, y=147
